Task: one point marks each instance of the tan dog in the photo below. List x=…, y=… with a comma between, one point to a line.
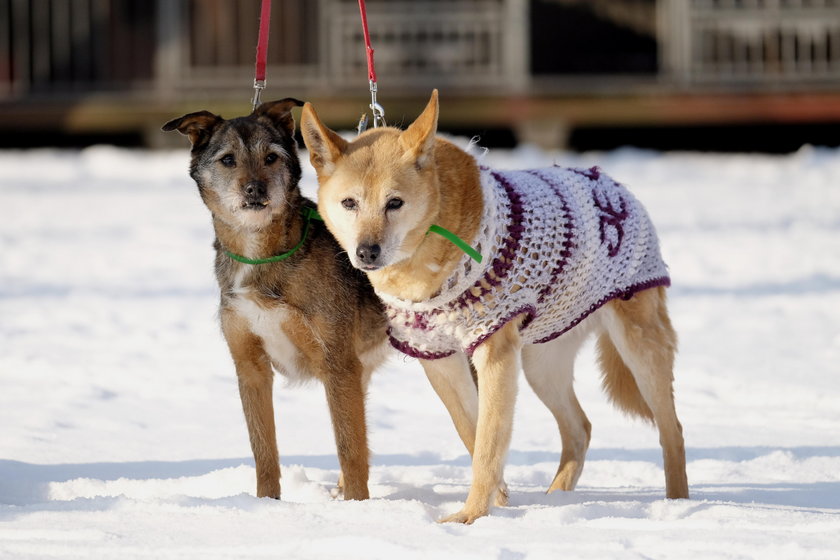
x=295, y=305
x=379, y=195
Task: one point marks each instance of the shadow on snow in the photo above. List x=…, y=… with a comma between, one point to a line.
x=24, y=485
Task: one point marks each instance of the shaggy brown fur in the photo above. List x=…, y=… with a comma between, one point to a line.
x=311, y=315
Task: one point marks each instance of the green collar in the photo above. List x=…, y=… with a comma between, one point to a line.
x=308, y=213
x=457, y=241
x=312, y=214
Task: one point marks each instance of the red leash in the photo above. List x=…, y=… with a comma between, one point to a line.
x=376, y=108
x=369, y=49
x=262, y=56
x=262, y=51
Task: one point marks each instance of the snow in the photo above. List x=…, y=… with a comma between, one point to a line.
x=122, y=433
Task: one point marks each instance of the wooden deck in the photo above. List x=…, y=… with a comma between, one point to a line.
x=541, y=119
x=125, y=67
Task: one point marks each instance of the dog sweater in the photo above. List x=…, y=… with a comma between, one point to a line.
x=556, y=245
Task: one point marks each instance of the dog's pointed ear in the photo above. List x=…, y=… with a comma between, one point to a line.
x=197, y=126
x=325, y=146
x=418, y=140
x=280, y=113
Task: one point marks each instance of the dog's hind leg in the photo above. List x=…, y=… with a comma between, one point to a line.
x=452, y=380
x=367, y=370
x=642, y=342
x=346, y=400
x=253, y=370
x=549, y=369
x=323, y=348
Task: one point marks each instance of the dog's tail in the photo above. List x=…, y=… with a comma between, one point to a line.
x=618, y=381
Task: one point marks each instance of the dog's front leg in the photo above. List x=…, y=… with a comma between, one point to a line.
x=453, y=382
x=253, y=370
x=496, y=361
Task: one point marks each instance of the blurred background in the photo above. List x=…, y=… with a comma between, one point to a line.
x=723, y=75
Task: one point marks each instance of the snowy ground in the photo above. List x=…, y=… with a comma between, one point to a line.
x=121, y=433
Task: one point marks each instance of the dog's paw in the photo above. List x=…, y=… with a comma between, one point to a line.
x=349, y=491
x=269, y=491
x=268, y=483
x=502, y=495
x=360, y=493
x=337, y=492
x=465, y=516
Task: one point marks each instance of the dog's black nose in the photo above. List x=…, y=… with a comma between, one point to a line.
x=255, y=190
x=368, y=253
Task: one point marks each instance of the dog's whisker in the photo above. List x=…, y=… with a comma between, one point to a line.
x=342, y=256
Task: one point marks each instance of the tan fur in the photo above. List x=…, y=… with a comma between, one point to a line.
x=453, y=381
x=438, y=183
x=549, y=370
x=310, y=316
x=618, y=380
x=497, y=362
x=642, y=333
x=383, y=163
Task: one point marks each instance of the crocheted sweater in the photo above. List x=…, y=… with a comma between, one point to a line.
x=556, y=244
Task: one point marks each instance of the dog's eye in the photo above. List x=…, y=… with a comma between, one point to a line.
x=270, y=158
x=394, y=204
x=228, y=161
x=348, y=204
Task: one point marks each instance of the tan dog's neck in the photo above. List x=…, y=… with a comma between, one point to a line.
x=421, y=276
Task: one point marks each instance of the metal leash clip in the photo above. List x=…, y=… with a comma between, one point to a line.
x=376, y=108
x=259, y=85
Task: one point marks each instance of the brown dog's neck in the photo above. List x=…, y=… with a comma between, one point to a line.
x=421, y=276
x=283, y=233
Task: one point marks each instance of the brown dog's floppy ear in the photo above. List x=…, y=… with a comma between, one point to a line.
x=325, y=146
x=280, y=113
x=418, y=140
x=198, y=126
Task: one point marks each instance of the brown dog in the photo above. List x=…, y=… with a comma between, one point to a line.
x=564, y=253
x=290, y=300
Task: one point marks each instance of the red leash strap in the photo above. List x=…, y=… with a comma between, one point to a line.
x=262, y=51
x=368, y=48
x=376, y=108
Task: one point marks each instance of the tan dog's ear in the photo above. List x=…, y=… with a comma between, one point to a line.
x=418, y=140
x=280, y=113
x=325, y=146
x=197, y=126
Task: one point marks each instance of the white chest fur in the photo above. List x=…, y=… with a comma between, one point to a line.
x=267, y=323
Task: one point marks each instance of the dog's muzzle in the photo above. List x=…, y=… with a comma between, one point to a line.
x=255, y=195
x=368, y=255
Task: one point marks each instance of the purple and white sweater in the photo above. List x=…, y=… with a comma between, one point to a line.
x=556, y=243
